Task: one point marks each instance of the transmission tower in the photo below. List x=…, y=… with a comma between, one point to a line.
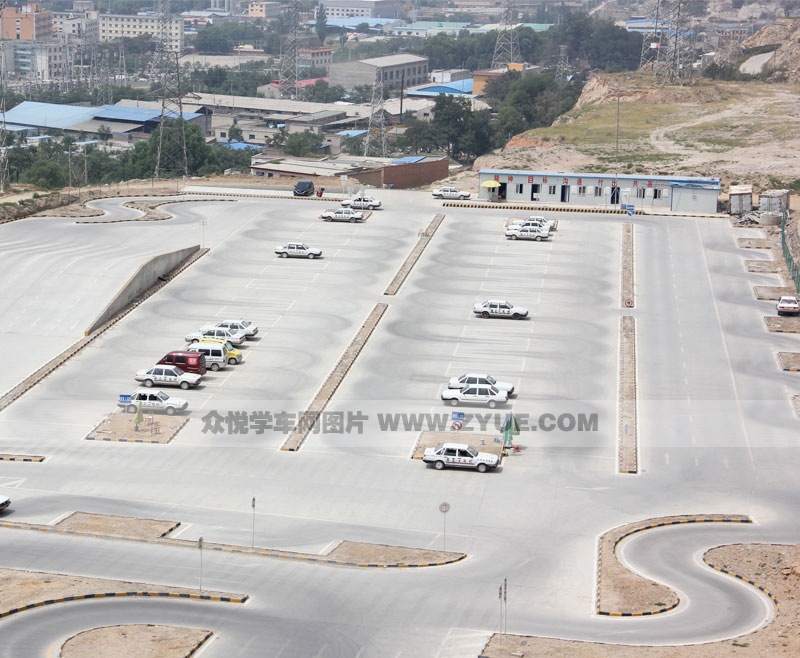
x=563, y=64
x=506, y=48
x=376, y=141
x=652, y=39
x=287, y=77
x=104, y=91
x=171, y=158
x=674, y=64
x=3, y=131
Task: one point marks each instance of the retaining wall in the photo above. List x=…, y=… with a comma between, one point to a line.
x=145, y=277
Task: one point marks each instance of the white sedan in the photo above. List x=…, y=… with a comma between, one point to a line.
x=5, y=501
x=342, y=215
x=527, y=233
x=231, y=335
x=168, y=376
x=362, y=202
x=151, y=399
x=472, y=379
x=297, y=250
x=552, y=224
x=788, y=305
x=480, y=394
x=499, y=308
x=459, y=455
x=246, y=327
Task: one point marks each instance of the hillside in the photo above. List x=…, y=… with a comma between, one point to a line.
x=739, y=131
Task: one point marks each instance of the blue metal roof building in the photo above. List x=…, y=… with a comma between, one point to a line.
x=119, y=119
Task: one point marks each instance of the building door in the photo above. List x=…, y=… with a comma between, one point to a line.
x=535, y=188
x=564, y=193
x=614, y=196
x=501, y=191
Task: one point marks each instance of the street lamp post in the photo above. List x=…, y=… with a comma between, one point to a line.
x=200, y=546
x=444, y=508
x=253, y=542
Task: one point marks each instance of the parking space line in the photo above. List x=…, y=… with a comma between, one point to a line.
x=181, y=530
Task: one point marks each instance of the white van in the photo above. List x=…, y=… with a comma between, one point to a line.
x=216, y=355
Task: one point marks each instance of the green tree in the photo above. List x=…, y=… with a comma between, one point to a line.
x=104, y=133
x=302, y=144
x=321, y=24
x=235, y=132
x=46, y=174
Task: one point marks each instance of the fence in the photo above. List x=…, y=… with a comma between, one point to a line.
x=794, y=271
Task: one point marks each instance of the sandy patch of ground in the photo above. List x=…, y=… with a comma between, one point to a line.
x=142, y=641
x=156, y=428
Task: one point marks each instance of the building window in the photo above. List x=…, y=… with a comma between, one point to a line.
x=598, y=191
x=640, y=192
x=551, y=190
x=518, y=188
x=656, y=193
x=581, y=190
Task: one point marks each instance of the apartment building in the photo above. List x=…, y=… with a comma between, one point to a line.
x=396, y=70
x=118, y=26
x=27, y=23
x=318, y=58
x=362, y=8
x=267, y=10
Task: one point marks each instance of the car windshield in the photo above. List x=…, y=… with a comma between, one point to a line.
x=493, y=390
x=302, y=246
x=228, y=346
x=472, y=452
x=490, y=380
x=245, y=323
x=177, y=371
x=162, y=396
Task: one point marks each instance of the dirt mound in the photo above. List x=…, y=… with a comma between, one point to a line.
x=784, y=36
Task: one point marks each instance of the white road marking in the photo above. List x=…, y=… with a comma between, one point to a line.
x=11, y=484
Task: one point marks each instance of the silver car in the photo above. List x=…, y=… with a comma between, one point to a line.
x=246, y=327
x=472, y=379
x=231, y=335
x=459, y=455
x=297, y=250
x=499, y=308
x=478, y=394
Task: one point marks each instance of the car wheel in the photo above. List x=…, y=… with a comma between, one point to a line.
x=215, y=367
x=454, y=402
x=515, y=316
x=538, y=238
x=148, y=383
x=439, y=466
x=232, y=361
x=512, y=237
x=352, y=220
x=481, y=468
x=311, y=257
x=184, y=385
x=284, y=254
x=194, y=340
x=491, y=404
x=131, y=409
x=485, y=314
x=170, y=411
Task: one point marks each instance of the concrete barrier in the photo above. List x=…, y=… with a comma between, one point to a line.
x=153, y=271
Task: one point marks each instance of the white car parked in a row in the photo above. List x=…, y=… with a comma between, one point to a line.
x=362, y=203
x=231, y=335
x=472, y=379
x=478, y=394
x=551, y=224
x=151, y=399
x=536, y=233
x=168, y=376
x=240, y=326
x=297, y=250
x=459, y=455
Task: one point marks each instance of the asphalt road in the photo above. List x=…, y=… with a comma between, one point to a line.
x=716, y=427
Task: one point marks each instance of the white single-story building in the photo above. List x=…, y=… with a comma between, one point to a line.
x=680, y=194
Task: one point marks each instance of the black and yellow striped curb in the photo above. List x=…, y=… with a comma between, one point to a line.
x=94, y=435
x=145, y=218
x=310, y=416
x=761, y=588
x=664, y=522
x=29, y=382
x=199, y=644
x=111, y=595
x=22, y=458
x=522, y=206
x=405, y=269
x=240, y=550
